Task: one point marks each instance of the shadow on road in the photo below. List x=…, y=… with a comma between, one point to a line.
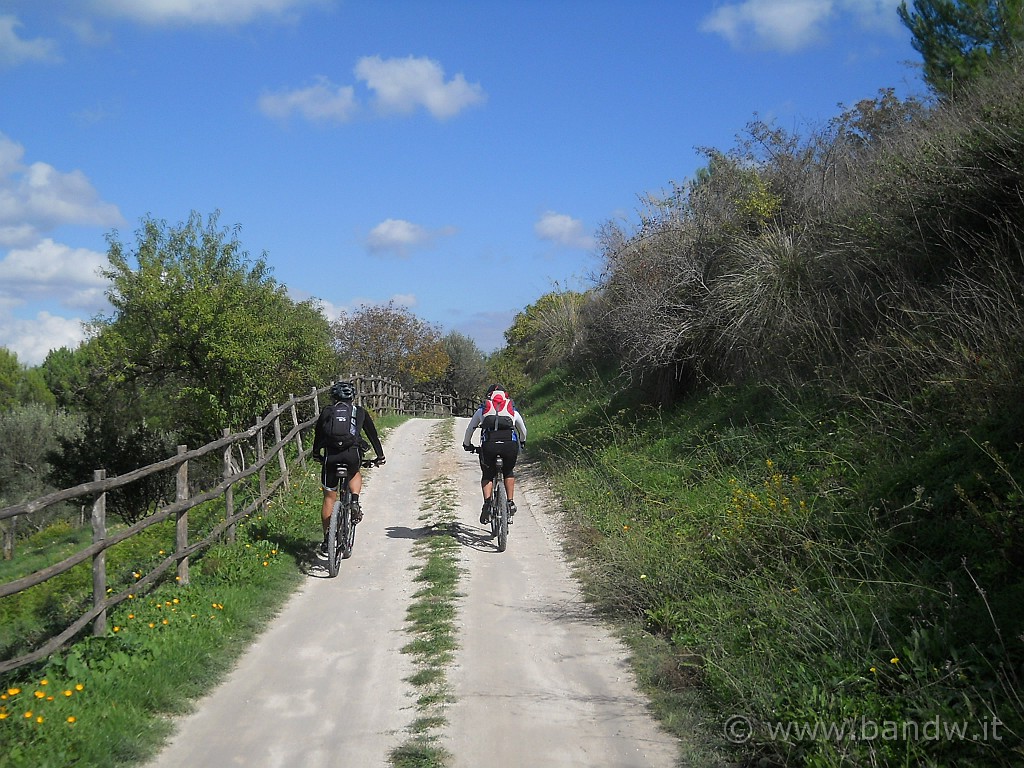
x=476, y=538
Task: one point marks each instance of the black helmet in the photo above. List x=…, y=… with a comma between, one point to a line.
x=343, y=390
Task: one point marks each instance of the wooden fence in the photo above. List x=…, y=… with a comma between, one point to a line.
x=380, y=395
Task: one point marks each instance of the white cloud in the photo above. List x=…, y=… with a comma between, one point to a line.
x=563, y=230
x=399, y=237
x=404, y=299
x=201, y=11
x=399, y=86
x=15, y=50
x=39, y=197
x=55, y=271
x=790, y=25
x=323, y=102
x=31, y=340
x=876, y=14
x=402, y=85
x=785, y=25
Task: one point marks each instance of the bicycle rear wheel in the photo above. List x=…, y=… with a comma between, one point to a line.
x=499, y=513
x=333, y=539
x=348, y=529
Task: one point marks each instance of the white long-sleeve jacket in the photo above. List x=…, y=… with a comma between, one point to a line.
x=518, y=426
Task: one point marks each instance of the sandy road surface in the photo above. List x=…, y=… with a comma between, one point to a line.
x=325, y=685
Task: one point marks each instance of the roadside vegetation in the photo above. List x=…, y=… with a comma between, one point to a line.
x=108, y=700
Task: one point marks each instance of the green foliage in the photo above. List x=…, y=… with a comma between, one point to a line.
x=20, y=385
x=801, y=570
x=879, y=255
x=202, y=338
x=549, y=332
x=66, y=373
x=105, y=701
x=466, y=376
x=959, y=39
x=505, y=368
x=30, y=434
x=118, y=450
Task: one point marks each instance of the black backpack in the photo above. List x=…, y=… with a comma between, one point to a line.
x=342, y=424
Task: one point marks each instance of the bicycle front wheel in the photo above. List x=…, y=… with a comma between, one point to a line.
x=333, y=540
x=499, y=514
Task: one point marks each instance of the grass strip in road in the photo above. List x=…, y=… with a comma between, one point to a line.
x=431, y=618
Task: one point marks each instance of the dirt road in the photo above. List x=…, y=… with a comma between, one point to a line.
x=326, y=684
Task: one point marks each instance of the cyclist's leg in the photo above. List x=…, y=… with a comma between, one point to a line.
x=351, y=459
x=509, y=456
x=328, y=482
x=488, y=470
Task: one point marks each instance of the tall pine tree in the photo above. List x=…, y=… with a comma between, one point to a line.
x=958, y=39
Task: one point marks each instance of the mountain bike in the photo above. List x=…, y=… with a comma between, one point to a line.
x=341, y=531
x=499, y=505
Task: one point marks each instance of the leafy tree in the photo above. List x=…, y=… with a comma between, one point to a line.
x=505, y=368
x=202, y=337
x=66, y=373
x=20, y=385
x=30, y=433
x=958, y=39
x=466, y=376
x=102, y=444
x=389, y=341
x=549, y=332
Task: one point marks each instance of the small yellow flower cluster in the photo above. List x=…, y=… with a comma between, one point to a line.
x=774, y=500
x=34, y=710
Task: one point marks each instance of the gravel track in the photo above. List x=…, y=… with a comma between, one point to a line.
x=325, y=684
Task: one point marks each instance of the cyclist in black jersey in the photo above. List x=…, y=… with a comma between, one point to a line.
x=328, y=451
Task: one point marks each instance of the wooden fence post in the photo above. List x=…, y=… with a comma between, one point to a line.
x=181, y=524
x=282, y=461
x=99, y=560
x=229, y=492
x=260, y=455
x=298, y=435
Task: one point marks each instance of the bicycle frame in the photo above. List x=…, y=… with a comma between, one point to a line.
x=341, y=531
x=499, y=505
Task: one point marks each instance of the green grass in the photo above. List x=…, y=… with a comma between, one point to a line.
x=773, y=559
x=430, y=619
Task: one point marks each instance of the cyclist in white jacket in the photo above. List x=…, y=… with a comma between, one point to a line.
x=501, y=440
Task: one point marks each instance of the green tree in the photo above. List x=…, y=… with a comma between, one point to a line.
x=958, y=39
x=202, y=337
x=549, y=332
x=30, y=434
x=66, y=373
x=20, y=385
x=504, y=367
x=389, y=341
x=466, y=376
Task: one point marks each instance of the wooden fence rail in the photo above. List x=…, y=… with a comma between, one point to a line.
x=380, y=395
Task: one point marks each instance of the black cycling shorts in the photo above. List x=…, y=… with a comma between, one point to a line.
x=350, y=458
x=507, y=449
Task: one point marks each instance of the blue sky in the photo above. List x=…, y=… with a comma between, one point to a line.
x=455, y=157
